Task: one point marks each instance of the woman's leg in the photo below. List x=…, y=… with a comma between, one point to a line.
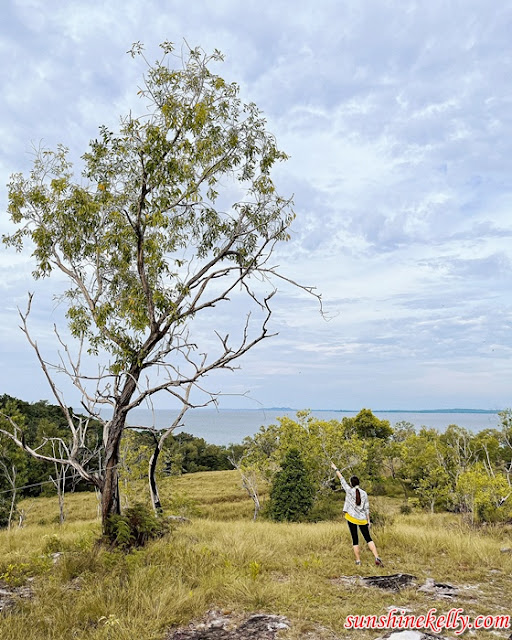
x=367, y=536
x=355, y=539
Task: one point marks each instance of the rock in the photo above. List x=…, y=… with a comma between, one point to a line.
x=395, y=607
x=394, y=582
x=222, y=627
x=9, y=597
x=506, y=550
x=438, y=589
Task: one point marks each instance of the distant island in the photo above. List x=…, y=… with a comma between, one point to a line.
x=386, y=410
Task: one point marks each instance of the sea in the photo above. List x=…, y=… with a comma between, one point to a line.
x=231, y=426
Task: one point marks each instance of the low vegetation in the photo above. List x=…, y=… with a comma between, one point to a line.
x=222, y=559
x=440, y=511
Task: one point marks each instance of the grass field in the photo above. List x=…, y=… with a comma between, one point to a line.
x=224, y=560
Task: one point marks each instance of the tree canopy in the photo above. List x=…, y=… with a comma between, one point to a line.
x=174, y=215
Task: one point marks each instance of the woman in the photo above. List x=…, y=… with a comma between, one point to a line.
x=357, y=514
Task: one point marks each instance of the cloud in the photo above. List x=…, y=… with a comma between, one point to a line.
x=398, y=127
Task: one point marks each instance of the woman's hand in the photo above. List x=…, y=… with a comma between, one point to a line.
x=333, y=466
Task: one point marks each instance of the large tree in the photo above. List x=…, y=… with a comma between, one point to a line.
x=174, y=215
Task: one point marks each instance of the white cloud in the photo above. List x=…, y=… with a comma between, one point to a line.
x=398, y=127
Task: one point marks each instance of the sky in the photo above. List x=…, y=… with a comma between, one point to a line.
x=397, y=117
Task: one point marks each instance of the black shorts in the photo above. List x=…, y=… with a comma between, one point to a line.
x=353, y=532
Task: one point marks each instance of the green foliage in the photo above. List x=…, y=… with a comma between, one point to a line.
x=327, y=506
x=254, y=569
x=147, y=244
x=135, y=527
x=146, y=209
x=5, y=511
x=292, y=492
x=380, y=518
x=185, y=453
x=483, y=496
x=38, y=421
x=424, y=470
x=366, y=425
x=15, y=573
x=54, y=544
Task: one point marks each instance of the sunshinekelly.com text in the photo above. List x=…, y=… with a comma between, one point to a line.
x=455, y=620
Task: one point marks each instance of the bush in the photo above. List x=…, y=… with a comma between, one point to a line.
x=292, y=492
x=326, y=507
x=135, y=527
x=380, y=519
x=5, y=509
x=405, y=508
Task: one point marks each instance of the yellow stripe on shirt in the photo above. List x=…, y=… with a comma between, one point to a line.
x=355, y=520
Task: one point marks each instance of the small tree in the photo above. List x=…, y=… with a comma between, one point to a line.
x=483, y=496
x=366, y=425
x=292, y=492
x=249, y=477
x=13, y=472
x=149, y=247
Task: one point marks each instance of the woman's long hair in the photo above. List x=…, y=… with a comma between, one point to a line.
x=354, y=481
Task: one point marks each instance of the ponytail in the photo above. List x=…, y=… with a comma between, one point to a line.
x=354, y=482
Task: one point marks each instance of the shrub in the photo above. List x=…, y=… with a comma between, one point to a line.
x=326, y=507
x=135, y=527
x=380, y=519
x=5, y=509
x=405, y=508
x=292, y=492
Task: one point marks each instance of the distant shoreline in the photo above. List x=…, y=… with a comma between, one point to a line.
x=225, y=426
x=354, y=411
x=376, y=410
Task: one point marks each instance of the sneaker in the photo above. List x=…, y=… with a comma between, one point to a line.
x=379, y=562
x=358, y=562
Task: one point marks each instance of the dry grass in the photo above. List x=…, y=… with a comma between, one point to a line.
x=223, y=559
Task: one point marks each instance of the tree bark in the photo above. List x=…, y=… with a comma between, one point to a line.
x=110, y=502
x=153, y=487
x=13, y=504
x=110, y=498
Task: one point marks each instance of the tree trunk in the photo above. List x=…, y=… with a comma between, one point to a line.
x=404, y=488
x=61, y=489
x=257, y=506
x=110, y=498
x=13, y=504
x=110, y=502
x=153, y=487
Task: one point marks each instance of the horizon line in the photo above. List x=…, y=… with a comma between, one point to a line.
x=449, y=410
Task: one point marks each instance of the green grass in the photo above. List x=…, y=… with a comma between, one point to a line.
x=223, y=559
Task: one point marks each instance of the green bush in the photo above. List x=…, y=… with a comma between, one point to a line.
x=326, y=507
x=5, y=509
x=292, y=492
x=380, y=519
x=135, y=527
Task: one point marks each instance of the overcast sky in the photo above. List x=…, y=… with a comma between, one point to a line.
x=398, y=120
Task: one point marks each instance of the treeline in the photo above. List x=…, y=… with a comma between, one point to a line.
x=456, y=470
x=21, y=475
